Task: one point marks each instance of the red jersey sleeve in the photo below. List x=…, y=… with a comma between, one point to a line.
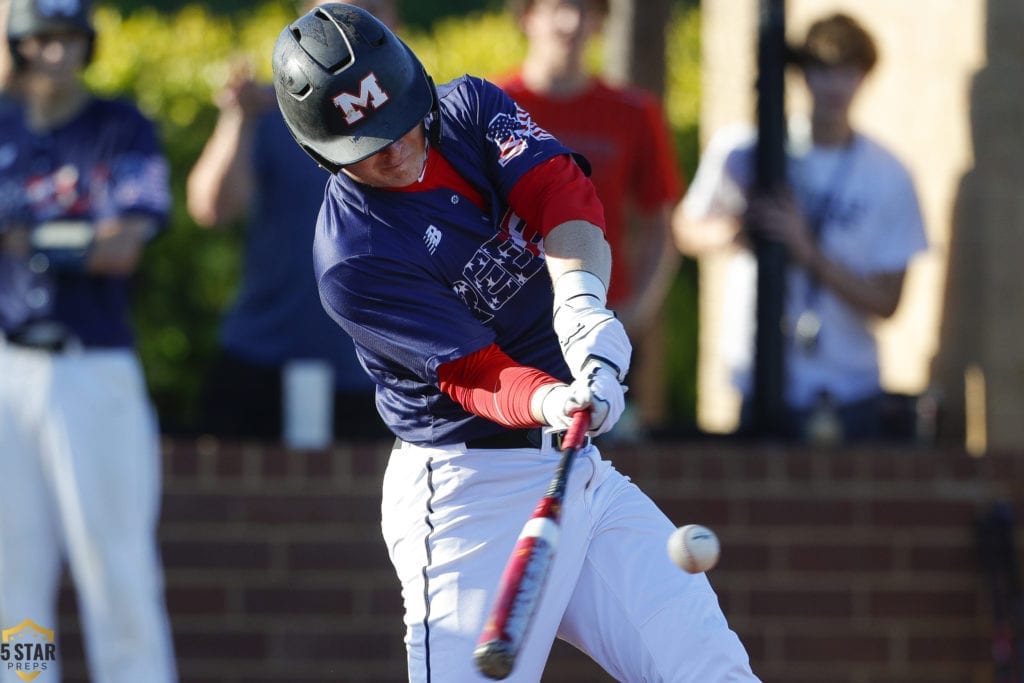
x=554, y=192
x=490, y=384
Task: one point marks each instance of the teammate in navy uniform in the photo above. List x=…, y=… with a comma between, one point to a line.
x=83, y=186
x=251, y=167
x=461, y=246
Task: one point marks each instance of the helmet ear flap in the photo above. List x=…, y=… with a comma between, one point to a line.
x=434, y=131
x=322, y=162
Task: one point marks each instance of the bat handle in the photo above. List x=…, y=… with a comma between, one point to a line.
x=577, y=432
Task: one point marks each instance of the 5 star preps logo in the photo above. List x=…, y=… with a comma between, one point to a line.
x=27, y=650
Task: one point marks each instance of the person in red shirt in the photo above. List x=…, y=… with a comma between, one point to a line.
x=622, y=131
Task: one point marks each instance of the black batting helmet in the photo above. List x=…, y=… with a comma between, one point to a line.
x=347, y=86
x=26, y=18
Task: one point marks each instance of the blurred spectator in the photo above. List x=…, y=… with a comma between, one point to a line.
x=5, y=57
x=624, y=135
x=252, y=167
x=83, y=187
x=851, y=223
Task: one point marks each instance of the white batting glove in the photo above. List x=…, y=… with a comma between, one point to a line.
x=586, y=329
x=598, y=391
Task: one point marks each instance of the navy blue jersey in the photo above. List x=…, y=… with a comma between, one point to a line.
x=277, y=315
x=104, y=163
x=422, y=278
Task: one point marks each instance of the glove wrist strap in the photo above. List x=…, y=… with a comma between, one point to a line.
x=580, y=283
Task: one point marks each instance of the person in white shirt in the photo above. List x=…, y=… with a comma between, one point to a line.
x=850, y=221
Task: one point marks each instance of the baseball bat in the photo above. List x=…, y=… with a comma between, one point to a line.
x=523, y=579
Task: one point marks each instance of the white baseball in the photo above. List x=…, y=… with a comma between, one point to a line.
x=694, y=548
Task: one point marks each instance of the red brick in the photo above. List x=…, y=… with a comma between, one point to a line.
x=744, y=555
x=387, y=601
x=215, y=554
x=801, y=467
x=195, y=600
x=839, y=558
x=786, y=672
x=965, y=647
x=369, y=459
x=845, y=567
x=220, y=643
x=337, y=555
x=802, y=512
x=664, y=466
x=229, y=463
x=312, y=509
x=835, y=648
x=958, y=559
x=295, y=600
x=363, y=645
x=913, y=512
x=801, y=604
x=319, y=465
x=182, y=462
x=709, y=511
x=924, y=603
x=187, y=508
x=274, y=463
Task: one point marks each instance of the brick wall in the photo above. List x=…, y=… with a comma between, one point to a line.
x=847, y=567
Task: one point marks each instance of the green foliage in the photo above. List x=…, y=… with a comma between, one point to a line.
x=682, y=107
x=172, y=63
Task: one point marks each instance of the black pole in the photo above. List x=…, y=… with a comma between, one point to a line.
x=769, y=361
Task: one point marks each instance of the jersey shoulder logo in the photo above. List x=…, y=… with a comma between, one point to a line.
x=432, y=238
x=512, y=134
x=370, y=95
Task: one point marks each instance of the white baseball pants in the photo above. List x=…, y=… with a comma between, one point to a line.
x=450, y=519
x=80, y=479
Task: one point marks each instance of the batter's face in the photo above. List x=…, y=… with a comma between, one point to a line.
x=399, y=164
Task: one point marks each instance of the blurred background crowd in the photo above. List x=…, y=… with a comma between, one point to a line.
x=174, y=58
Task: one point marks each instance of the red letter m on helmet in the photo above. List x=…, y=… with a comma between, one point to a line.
x=370, y=95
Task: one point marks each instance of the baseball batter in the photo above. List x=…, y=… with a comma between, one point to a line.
x=83, y=186
x=461, y=246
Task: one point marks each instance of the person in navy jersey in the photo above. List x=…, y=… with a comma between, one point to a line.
x=83, y=188
x=462, y=247
x=250, y=167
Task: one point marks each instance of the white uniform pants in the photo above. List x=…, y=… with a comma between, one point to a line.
x=450, y=519
x=80, y=479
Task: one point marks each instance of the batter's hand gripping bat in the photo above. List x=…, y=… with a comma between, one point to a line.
x=526, y=571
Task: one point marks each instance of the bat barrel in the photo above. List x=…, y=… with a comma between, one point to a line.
x=494, y=659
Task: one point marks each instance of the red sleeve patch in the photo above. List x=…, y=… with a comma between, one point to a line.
x=554, y=192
